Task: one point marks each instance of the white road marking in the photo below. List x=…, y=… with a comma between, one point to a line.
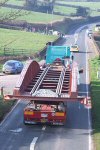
x=43, y=128
x=32, y=145
x=80, y=92
x=75, y=37
x=17, y=130
x=87, y=89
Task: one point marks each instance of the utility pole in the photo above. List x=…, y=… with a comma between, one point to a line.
x=47, y=24
x=52, y=18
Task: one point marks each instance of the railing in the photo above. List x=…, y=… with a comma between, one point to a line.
x=16, y=52
x=39, y=81
x=60, y=82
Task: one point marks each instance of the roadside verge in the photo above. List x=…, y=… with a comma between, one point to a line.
x=94, y=66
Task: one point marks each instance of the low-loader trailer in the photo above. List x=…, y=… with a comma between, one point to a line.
x=48, y=88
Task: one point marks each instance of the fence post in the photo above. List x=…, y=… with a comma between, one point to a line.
x=2, y=91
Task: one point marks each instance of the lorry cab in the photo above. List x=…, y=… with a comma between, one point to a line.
x=53, y=113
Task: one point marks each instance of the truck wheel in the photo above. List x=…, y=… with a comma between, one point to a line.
x=24, y=122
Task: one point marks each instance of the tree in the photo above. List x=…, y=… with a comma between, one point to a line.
x=31, y=3
x=41, y=5
x=12, y=15
x=82, y=11
x=49, y=4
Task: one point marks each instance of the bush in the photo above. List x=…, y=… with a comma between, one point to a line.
x=4, y=107
x=82, y=11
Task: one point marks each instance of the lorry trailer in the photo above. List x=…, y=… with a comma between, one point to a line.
x=48, y=88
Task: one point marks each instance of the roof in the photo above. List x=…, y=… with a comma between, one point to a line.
x=54, y=52
x=12, y=61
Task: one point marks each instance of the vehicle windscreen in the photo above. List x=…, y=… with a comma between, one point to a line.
x=74, y=46
x=10, y=64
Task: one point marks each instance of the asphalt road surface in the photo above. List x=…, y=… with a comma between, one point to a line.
x=75, y=135
x=8, y=82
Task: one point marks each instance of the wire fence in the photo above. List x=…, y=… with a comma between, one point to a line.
x=14, y=52
x=6, y=51
x=21, y=52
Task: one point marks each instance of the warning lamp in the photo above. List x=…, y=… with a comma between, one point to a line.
x=82, y=101
x=85, y=101
x=88, y=105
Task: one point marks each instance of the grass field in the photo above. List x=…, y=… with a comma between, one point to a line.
x=65, y=10
x=16, y=2
x=92, y=5
x=95, y=13
x=32, y=17
x=35, y=17
x=23, y=40
x=95, y=93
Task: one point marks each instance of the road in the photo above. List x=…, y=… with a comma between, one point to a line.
x=8, y=82
x=75, y=135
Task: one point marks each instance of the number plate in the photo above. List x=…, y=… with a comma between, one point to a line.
x=44, y=115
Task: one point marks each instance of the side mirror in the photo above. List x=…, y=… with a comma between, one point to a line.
x=72, y=57
x=80, y=71
x=50, y=43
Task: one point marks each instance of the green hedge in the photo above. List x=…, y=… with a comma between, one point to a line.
x=95, y=94
x=4, y=107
